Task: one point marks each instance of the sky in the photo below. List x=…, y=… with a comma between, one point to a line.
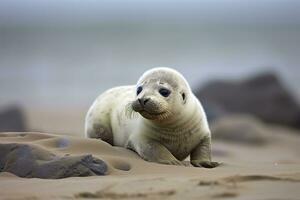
x=75, y=12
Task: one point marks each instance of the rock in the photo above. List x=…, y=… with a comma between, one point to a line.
x=243, y=129
x=12, y=119
x=262, y=96
x=34, y=162
x=213, y=111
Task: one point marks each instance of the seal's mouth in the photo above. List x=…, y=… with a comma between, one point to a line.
x=151, y=113
x=152, y=116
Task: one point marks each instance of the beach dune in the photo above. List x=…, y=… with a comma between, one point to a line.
x=248, y=171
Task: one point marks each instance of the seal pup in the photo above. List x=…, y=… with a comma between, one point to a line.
x=159, y=118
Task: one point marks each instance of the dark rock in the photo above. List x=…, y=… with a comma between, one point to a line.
x=34, y=162
x=262, y=96
x=12, y=119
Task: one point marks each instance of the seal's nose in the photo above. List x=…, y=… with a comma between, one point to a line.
x=143, y=101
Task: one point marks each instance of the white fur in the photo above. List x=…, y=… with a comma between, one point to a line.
x=110, y=108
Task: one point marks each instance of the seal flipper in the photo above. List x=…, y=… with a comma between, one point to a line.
x=99, y=131
x=152, y=151
x=201, y=155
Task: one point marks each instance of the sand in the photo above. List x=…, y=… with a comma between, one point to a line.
x=270, y=171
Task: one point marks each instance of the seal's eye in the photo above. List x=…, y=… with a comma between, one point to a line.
x=164, y=92
x=138, y=90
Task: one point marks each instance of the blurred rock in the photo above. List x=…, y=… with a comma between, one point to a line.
x=240, y=129
x=213, y=111
x=12, y=119
x=262, y=96
x=34, y=162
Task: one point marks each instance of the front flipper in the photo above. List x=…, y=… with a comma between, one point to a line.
x=201, y=155
x=205, y=164
x=152, y=151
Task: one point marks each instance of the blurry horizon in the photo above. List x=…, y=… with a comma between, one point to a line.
x=63, y=54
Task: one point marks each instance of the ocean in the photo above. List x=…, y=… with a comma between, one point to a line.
x=69, y=66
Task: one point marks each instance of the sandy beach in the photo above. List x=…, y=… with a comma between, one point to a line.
x=239, y=58
x=270, y=171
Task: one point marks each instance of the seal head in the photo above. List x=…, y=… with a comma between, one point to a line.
x=160, y=94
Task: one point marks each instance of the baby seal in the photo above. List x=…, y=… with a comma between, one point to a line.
x=159, y=118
